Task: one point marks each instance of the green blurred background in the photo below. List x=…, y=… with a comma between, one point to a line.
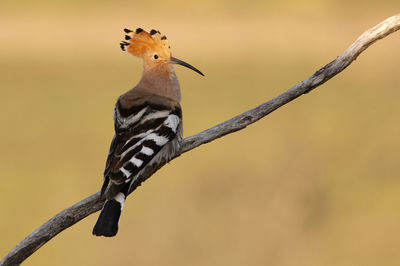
x=315, y=183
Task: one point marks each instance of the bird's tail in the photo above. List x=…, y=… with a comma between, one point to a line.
x=107, y=223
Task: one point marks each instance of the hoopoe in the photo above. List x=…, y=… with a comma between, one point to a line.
x=147, y=121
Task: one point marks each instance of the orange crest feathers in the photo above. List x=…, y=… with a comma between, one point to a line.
x=140, y=43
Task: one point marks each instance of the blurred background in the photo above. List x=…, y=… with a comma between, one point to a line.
x=314, y=183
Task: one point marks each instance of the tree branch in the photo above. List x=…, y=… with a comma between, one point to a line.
x=82, y=209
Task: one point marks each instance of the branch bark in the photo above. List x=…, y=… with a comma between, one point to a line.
x=93, y=203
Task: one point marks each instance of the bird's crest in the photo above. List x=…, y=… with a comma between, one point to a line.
x=141, y=42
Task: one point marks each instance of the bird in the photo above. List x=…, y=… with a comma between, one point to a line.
x=147, y=123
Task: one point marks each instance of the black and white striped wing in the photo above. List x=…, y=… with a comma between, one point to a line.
x=140, y=135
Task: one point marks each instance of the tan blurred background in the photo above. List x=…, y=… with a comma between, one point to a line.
x=315, y=183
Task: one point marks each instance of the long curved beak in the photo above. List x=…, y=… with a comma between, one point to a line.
x=182, y=63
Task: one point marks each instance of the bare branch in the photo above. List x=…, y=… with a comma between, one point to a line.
x=82, y=209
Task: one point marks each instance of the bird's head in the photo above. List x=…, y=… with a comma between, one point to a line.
x=153, y=48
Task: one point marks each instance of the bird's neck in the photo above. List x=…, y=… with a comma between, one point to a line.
x=161, y=80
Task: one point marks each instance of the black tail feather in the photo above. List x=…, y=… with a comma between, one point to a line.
x=107, y=223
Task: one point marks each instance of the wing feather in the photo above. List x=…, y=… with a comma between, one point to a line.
x=141, y=132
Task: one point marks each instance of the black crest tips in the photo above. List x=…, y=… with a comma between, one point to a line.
x=152, y=32
x=127, y=30
x=122, y=46
x=139, y=30
x=164, y=37
x=127, y=37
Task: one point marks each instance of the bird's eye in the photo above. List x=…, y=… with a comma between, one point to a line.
x=155, y=56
